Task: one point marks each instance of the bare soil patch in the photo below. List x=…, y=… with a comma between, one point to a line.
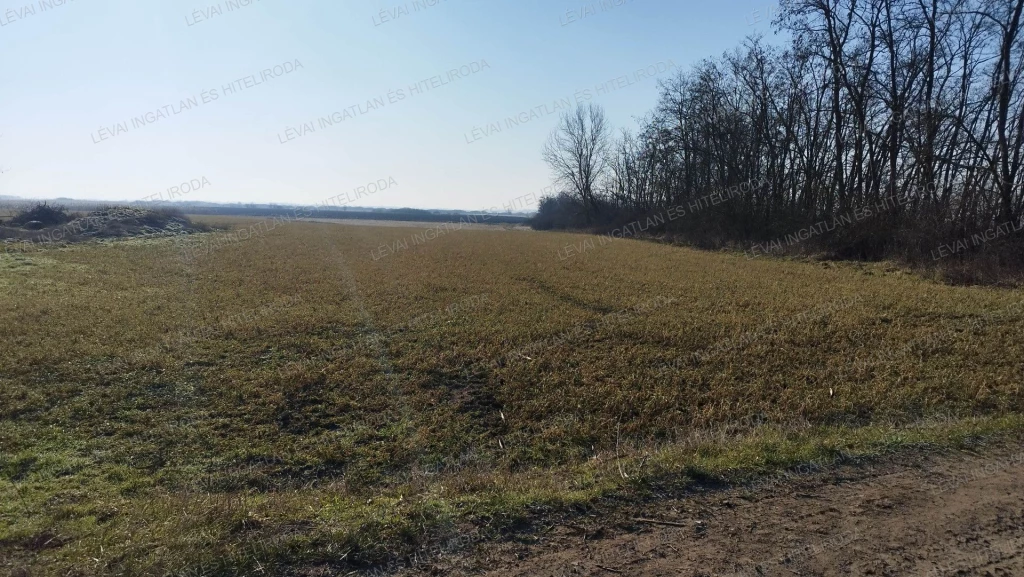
x=941, y=515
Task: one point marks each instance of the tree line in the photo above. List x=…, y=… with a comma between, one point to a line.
x=916, y=105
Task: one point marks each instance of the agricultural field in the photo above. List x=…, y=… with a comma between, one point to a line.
x=321, y=398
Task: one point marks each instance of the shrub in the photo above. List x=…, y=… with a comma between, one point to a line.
x=43, y=213
x=560, y=211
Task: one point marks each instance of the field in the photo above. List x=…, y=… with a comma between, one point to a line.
x=322, y=396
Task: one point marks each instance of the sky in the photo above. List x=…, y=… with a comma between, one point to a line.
x=424, y=104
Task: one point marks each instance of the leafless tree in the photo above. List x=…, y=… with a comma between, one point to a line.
x=577, y=152
x=917, y=104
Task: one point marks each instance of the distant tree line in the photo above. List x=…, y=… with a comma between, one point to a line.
x=912, y=105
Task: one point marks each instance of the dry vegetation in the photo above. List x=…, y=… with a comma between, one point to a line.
x=43, y=223
x=289, y=404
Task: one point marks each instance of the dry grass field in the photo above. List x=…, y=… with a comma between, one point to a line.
x=304, y=401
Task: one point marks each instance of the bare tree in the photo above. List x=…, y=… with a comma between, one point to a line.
x=914, y=108
x=1007, y=78
x=577, y=152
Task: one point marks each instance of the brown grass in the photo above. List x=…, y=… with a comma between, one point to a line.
x=289, y=402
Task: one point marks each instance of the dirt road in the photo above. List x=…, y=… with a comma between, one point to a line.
x=938, y=516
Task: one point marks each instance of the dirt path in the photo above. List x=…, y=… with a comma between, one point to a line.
x=940, y=516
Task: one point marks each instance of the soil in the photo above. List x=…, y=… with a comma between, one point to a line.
x=940, y=515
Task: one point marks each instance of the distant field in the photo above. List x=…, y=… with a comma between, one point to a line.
x=480, y=223
x=303, y=398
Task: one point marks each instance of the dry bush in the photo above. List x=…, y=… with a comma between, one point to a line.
x=44, y=214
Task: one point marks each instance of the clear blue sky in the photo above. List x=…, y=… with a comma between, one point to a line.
x=74, y=71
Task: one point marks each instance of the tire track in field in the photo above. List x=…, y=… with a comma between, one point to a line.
x=377, y=340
